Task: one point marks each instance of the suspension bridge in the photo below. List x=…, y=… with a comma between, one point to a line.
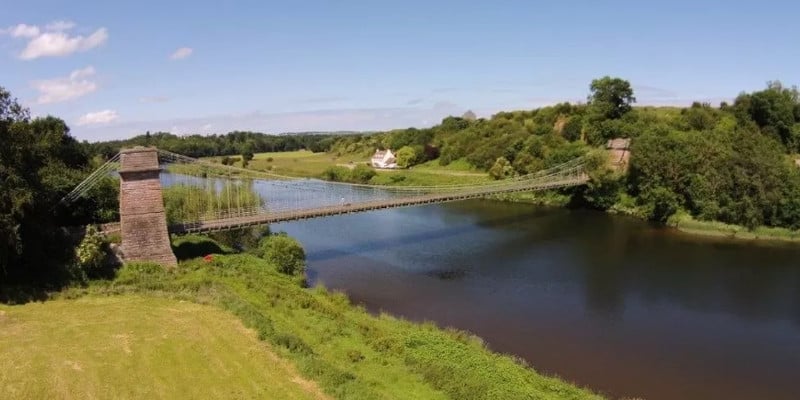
x=164, y=193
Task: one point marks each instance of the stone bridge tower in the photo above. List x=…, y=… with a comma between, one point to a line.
x=143, y=221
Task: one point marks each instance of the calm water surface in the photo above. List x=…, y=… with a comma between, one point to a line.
x=607, y=302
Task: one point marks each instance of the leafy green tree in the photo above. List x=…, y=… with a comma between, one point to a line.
x=773, y=110
x=362, y=174
x=572, y=128
x=406, y=157
x=659, y=203
x=285, y=253
x=611, y=97
x=700, y=117
x=39, y=163
x=247, y=156
x=501, y=169
x=336, y=174
x=91, y=252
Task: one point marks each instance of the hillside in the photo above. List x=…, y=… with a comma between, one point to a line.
x=138, y=347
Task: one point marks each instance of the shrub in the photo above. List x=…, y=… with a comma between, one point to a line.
x=293, y=343
x=91, y=252
x=362, y=174
x=336, y=174
x=502, y=169
x=285, y=253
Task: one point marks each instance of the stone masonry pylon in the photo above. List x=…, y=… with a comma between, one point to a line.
x=141, y=208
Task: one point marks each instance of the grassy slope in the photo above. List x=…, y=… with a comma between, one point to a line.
x=348, y=352
x=300, y=163
x=685, y=223
x=137, y=347
x=307, y=164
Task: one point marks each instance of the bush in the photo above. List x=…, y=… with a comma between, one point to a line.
x=285, y=253
x=336, y=174
x=502, y=169
x=92, y=250
x=362, y=174
x=293, y=343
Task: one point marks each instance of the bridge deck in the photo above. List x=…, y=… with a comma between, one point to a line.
x=294, y=215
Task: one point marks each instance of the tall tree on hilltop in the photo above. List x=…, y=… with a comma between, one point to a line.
x=776, y=111
x=611, y=97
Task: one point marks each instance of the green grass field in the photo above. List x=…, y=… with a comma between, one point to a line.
x=138, y=347
x=304, y=163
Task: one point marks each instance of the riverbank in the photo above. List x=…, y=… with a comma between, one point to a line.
x=345, y=351
x=685, y=223
x=308, y=164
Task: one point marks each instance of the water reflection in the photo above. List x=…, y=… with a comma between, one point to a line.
x=609, y=302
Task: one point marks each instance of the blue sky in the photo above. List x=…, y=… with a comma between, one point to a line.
x=115, y=69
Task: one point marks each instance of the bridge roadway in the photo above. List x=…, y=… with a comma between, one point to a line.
x=237, y=222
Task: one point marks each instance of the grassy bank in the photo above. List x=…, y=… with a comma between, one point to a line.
x=349, y=353
x=306, y=164
x=138, y=347
x=685, y=223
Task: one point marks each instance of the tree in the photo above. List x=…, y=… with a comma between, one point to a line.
x=247, y=156
x=469, y=116
x=39, y=163
x=406, y=157
x=610, y=97
x=501, y=169
x=362, y=174
x=773, y=110
x=572, y=128
x=285, y=253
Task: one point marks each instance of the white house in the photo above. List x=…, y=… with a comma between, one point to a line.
x=384, y=159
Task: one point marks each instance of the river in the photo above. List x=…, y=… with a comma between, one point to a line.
x=611, y=303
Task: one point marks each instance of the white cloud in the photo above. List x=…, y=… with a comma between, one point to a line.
x=54, y=44
x=99, y=117
x=181, y=53
x=23, y=31
x=56, y=90
x=59, y=26
x=53, y=40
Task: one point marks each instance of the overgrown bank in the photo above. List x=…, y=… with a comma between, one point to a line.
x=348, y=352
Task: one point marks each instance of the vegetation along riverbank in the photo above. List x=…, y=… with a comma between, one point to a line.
x=730, y=165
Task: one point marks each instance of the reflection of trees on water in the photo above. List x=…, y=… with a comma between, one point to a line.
x=619, y=259
x=625, y=261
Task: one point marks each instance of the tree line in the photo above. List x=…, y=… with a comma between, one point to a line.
x=39, y=163
x=229, y=144
x=732, y=162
